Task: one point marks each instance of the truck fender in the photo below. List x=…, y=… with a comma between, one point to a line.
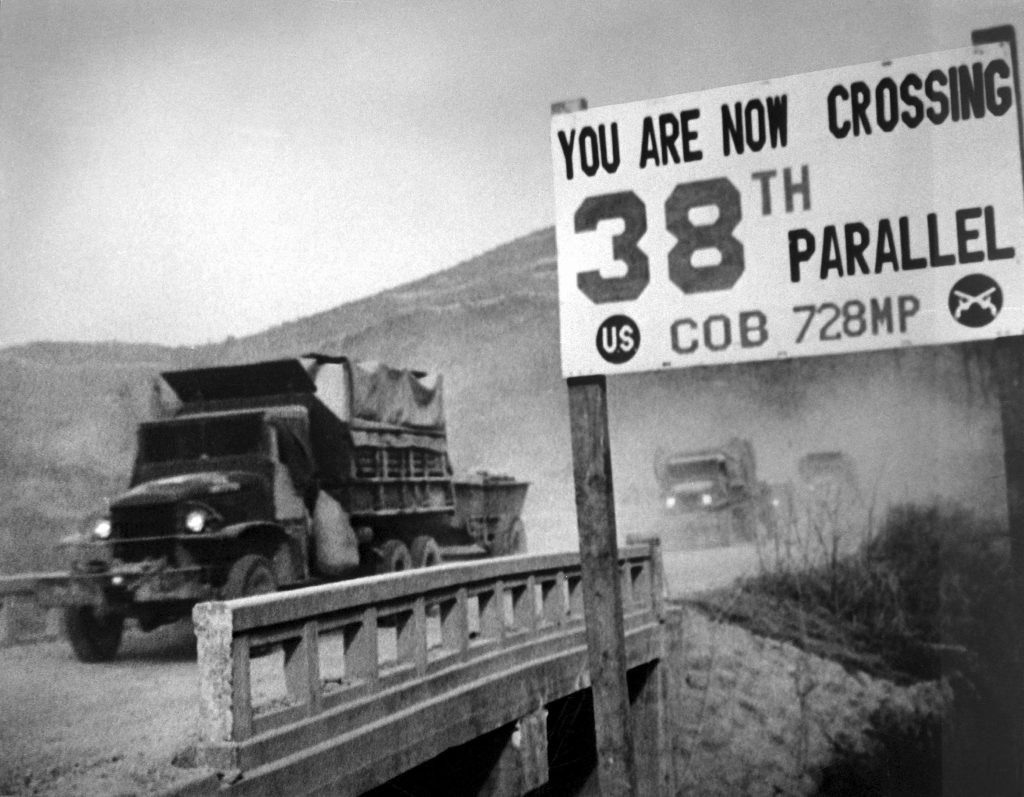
x=336, y=545
x=272, y=541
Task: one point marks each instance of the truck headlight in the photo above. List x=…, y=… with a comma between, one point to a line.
x=195, y=520
x=102, y=529
x=707, y=499
x=670, y=502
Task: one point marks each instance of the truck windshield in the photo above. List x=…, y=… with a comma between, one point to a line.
x=201, y=437
x=693, y=471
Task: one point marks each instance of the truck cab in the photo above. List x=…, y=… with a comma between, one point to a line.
x=696, y=483
x=709, y=494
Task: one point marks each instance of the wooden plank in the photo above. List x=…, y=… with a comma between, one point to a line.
x=1010, y=385
x=602, y=595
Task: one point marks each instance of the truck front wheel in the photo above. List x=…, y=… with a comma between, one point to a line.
x=250, y=575
x=93, y=637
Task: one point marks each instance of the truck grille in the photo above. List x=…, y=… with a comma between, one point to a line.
x=135, y=527
x=149, y=521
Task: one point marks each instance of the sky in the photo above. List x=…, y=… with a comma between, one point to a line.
x=181, y=171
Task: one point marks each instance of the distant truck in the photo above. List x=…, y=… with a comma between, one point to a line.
x=830, y=475
x=830, y=495
x=713, y=492
x=278, y=474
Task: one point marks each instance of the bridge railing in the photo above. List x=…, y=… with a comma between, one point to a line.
x=410, y=635
x=19, y=612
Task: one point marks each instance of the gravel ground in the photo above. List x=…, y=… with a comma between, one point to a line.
x=97, y=730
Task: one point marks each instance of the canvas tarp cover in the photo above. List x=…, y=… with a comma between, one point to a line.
x=395, y=396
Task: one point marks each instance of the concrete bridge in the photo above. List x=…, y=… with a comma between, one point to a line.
x=456, y=678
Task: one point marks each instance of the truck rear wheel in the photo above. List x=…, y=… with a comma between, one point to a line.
x=93, y=637
x=393, y=557
x=425, y=552
x=251, y=574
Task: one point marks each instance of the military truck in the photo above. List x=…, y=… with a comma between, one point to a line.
x=829, y=475
x=256, y=477
x=711, y=493
x=832, y=503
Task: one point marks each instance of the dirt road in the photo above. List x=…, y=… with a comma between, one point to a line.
x=97, y=729
x=689, y=572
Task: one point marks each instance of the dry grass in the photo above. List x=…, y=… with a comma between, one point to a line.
x=928, y=596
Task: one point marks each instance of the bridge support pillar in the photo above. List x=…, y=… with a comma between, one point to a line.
x=522, y=764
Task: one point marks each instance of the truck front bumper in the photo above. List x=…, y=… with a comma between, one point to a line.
x=125, y=584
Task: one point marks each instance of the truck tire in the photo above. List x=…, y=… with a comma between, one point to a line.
x=251, y=574
x=425, y=551
x=93, y=637
x=393, y=557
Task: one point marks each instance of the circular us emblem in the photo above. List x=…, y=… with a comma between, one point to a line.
x=618, y=339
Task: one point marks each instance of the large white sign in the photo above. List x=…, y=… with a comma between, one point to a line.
x=860, y=208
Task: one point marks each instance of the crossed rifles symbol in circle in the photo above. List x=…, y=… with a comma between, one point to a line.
x=982, y=300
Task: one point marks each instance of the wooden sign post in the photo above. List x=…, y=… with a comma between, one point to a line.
x=599, y=561
x=602, y=589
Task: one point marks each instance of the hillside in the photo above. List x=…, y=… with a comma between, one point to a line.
x=68, y=410
x=916, y=422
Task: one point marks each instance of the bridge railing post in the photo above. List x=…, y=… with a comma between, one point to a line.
x=553, y=599
x=455, y=623
x=657, y=578
x=415, y=636
x=626, y=584
x=302, y=668
x=216, y=661
x=491, y=608
x=574, y=588
x=361, y=655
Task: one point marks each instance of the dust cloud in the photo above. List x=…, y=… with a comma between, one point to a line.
x=918, y=424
